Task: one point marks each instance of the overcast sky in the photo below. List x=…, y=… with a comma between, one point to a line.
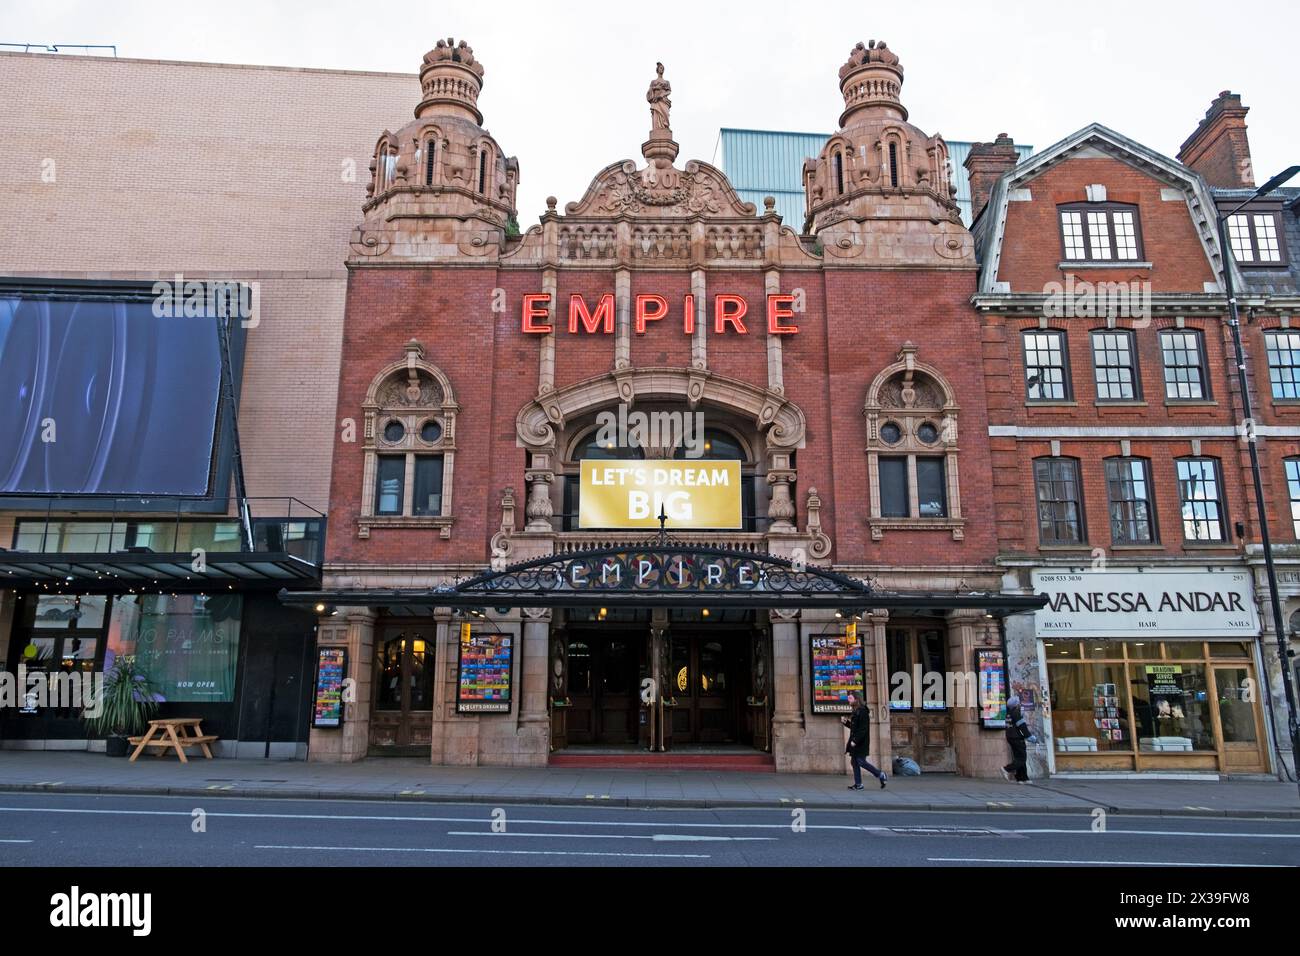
x=565, y=82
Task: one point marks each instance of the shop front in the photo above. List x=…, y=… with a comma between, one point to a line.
x=186, y=600
x=1152, y=669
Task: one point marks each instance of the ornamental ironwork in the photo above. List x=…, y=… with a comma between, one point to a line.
x=661, y=568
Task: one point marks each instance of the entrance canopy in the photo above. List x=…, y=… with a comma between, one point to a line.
x=665, y=575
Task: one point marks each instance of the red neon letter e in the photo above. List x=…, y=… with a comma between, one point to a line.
x=777, y=309
x=644, y=315
x=592, y=322
x=721, y=317
x=535, y=308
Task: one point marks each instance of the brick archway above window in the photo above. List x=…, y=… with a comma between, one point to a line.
x=781, y=421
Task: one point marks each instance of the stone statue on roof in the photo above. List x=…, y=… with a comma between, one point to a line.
x=657, y=97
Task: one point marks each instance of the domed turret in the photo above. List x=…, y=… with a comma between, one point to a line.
x=440, y=185
x=881, y=190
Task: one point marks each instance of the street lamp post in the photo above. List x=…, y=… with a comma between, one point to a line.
x=1248, y=432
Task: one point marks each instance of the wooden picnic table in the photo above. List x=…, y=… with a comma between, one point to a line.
x=175, y=733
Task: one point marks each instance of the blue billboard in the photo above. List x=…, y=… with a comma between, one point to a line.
x=100, y=396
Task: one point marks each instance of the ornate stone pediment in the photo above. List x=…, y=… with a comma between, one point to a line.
x=660, y=192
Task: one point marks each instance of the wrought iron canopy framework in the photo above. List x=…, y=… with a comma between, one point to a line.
x=666, y=575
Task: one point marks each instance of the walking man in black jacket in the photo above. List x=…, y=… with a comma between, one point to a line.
x=859, y=745
x=1017, y=733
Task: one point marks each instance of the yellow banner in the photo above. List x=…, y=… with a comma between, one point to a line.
x=629, y=494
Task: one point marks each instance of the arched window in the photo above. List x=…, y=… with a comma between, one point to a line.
x=409, y=447
x=385, y=165
x=912, y=449
x=893, y=164
x=837, y=161
x=430, y=159
x=719, y=445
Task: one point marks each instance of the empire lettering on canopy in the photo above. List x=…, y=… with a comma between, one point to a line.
x=729, y=311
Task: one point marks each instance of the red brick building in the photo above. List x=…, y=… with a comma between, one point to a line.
x=472, y=390
x=1122, y=482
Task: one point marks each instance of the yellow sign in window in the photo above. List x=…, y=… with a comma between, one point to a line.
x=631, y=494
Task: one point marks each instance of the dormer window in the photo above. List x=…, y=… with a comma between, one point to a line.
x=1255, y=239
x=1100, y=232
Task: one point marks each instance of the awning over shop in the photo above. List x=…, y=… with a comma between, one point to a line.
x=120, y=572
x=667, y=576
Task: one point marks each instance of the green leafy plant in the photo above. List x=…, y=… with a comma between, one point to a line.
x=512, y=228
x=128, y=701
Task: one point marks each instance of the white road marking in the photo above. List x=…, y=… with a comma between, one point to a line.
x=973, y=859
x=392, y=818
x=15, y=841
x=417, y=849
x=663, y=837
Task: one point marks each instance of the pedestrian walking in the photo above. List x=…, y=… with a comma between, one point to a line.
x=1018, y=733
x=859, y=746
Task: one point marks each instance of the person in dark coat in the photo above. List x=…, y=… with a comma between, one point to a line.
x=859, y=746
x=1017, y=733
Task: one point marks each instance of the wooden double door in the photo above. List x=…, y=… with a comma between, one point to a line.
x=604, y=668
x=710, y=693
x=707, y=683
x=920, y=718
x=401, y=716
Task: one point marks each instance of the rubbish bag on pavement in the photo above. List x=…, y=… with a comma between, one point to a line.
x=906, y=767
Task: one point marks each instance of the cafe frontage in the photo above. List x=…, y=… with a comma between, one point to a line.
x=660, y=476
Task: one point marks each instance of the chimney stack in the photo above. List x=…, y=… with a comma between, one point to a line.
x=1219, y=149
x=986, y=162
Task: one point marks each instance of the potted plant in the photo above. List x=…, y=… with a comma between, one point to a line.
x=127, y=702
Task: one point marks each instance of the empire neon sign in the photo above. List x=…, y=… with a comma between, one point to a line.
x=729, y=312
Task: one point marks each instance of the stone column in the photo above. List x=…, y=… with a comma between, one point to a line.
x=353, y=629
x=780, y=507
x=539, y=508
x=876, y=654
x=534, y=728
x=446, y=652
x=700, y=340
x=775, y=371
x=787, y=691
x=622, y=319
x=546, y=343
x=977, y=753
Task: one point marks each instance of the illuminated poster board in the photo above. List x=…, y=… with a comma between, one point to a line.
x=630, y=494
x=991, y=666
x=484, y=673
x=837, y=670
x=331, y=671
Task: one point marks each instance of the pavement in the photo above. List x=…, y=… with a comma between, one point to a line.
x=414, y=779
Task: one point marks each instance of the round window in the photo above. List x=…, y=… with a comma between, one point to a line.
x=393, y=432
x=430, y=432
x=890, y=433
x=927, y=433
